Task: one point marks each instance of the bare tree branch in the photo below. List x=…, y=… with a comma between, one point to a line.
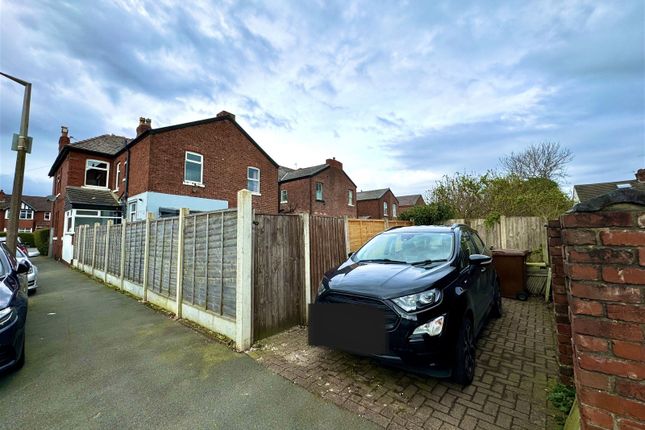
x=544, y=160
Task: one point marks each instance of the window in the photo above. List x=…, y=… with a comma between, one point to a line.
x=96, y=173
x=132, y=211
x=26, y=214
x=193, y=168
x=393, y=210
x=350, y=198
x=118, y=176
x=284, y=196
x=125, y=170
x=253, y=180
x=48, y=216
x=319, y=191
x=24, y=230
x=385, y=208
x=467, y=248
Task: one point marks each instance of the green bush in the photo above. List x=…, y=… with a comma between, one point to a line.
x=434, y=213
x=562, y=397
x=41, y=239
x=27, y=239
x=3, y=233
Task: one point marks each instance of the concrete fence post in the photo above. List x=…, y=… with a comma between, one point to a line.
x=307, y=256
x=348, y=247
x=96, y=227
x=107, y=249
x=146, y=258
x=124, y=224
x=244, y=285
x=183, y=212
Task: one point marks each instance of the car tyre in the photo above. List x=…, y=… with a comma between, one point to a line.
x=496, y=312
x=464, y=370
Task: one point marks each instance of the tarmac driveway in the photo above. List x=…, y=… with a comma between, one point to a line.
x=99, y=359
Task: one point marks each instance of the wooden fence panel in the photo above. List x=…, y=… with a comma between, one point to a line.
x=362, y=230
x=327, y=247
x=134, y=245
x=114, y=253
x=88, y=240
x=278, y=274
x=99, y=257
x=77, y=241
x=162, y=255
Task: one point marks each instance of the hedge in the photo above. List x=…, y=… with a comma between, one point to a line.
x=27, y=239
x=41, y=239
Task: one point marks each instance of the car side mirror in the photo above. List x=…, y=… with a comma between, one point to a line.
x=479, y=259
x=349, y=254
x=23, y=267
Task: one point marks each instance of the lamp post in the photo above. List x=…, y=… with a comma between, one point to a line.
x=22, y=147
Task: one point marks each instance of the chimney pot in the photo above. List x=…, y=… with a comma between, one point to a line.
x=144, y=125
x=640, y=175
x=334, y=163
x=64, y=138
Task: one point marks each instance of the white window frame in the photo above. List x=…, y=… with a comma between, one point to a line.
x=284, y=196
x=47, y=216
x=24, y=230
x=350, y=197
x=201, y=169
x=385, y=209
x=125, y=170
x=249, y=179
x=394, y=208
x=72, y=214
x=107, y=176
x=118, y=176
x=132, y=210
x=322, y=192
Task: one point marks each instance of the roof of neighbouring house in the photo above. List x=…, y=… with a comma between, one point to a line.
x=589, y=191
x=371, y=194
x=105, y=144
x=79, y=197
x=37, y=203
x=305, y=172
x=409, y=200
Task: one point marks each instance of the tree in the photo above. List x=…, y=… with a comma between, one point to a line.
x=431, y=214
x=546, y=160
x=464, y=193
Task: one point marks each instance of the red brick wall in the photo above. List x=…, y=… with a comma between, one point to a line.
x=374, y=208
x=302, y=194
x=227, y=154
x=419, y=202
x=604, y=258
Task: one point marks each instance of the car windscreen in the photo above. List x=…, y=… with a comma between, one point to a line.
x=408, y=247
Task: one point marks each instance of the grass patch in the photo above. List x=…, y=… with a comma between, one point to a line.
x=562, y=397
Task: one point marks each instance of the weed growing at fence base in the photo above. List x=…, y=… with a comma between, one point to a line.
x=562, y=397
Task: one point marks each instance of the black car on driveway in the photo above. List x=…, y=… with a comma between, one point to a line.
x=413, y=296
x=13, y=310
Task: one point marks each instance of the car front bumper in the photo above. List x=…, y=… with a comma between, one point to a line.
x=12, y=338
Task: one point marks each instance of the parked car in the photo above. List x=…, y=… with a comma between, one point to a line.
x=413, y=296
x=32, y=275
x=13, y=310
x=21, y=246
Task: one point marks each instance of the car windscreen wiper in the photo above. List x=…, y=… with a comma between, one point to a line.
x=381, y=260
x=425, y=262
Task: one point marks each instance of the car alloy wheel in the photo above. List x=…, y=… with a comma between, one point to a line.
x=469, y=351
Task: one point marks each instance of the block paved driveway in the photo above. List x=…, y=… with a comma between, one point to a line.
x=98, y=359
x=516, y=363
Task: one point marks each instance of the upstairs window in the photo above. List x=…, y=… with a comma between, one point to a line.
x=253, y=180
x=319, y=191
x=350, y=198
x=284, y=196
x=96, y=173
x=193, y=168
x=385, y=208
x=394, y=210
x=48, y=216
x=26, y=214
x=118, y=176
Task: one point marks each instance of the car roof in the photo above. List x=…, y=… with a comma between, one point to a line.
x=425, y=229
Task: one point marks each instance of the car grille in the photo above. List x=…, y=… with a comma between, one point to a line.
x=31, y=283
x=391, y=317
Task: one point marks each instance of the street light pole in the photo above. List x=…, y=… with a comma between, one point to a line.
x=19, y=175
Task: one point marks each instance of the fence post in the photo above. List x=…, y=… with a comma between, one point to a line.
x=180, y=260
x=307, y=255
x=386, y=224
x=96, y=225
x=124, y=224
x=502, y=232
x=146, y=259
x=244, y=286
x=107, y=249
x=348, y=245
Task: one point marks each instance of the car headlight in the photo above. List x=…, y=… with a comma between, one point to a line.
x=418, y=301
x=321, y=288
x=5, y=315
x=432, y=328
x=31, y=269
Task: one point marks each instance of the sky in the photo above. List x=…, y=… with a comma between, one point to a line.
x=401, y=93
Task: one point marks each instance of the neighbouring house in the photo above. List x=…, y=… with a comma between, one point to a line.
x=585, y=192
x=200, y=165
x=377, y=204
x=406, y=202
x=35, y=213
x=324, y=189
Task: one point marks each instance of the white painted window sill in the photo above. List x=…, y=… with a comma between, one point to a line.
x=194, y=184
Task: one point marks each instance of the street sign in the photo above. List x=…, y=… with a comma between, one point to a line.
x=16, y=139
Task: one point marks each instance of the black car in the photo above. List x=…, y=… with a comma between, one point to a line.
x=414, y=296
x=13, y=310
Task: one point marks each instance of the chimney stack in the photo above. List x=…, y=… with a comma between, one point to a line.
x=640, y=175
x=145, y=124
x=63, y=139
x=224, y=114
x=334, y=163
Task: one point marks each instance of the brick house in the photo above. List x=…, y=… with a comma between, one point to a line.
x=35, y=213
x=200, y=165
x=324, y=189
x=406, y=202
x=377, y=204
x=586, y=192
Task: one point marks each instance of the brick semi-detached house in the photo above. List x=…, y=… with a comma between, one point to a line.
x=35, y=213
x=377, y=204
x=406, y=202
x=320, y=190
x=199, y=165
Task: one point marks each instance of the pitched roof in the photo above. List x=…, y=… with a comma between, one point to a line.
x=305, y=172
x=79, y=197
x=37, y=203
x=409, y=200
x=371, y=194
x=105, y=144
x=283, y=171
x=589, y=191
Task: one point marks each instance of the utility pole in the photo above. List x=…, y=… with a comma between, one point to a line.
x=22, y=148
